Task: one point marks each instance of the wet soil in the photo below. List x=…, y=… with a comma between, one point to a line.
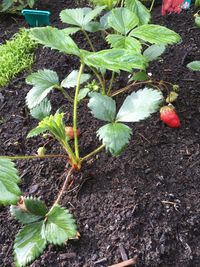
x=147, y=201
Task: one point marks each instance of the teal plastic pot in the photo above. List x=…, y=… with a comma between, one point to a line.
x=36, y=18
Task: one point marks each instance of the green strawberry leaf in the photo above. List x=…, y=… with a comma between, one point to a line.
x=29, y=244
x=115, y=59
x=80, y=17
x=104, y=20
x=93, y=27
x=55, y=39
x=83, y=93
x=9, y=178
x=155, y=34
x=35, y=206
x=140, y=10
x=71, y=30
x=6, y=4
x=37, y=131
x=122, y=20
x=42, y=110
x=43, y=82
x=139, y=105
x=31, y=210
x=194, y=65
x=60, y=226
x=54, y=124
x=154, y=51
x=115, y=136
x=125, y=42
x=23, y=216
x=71, y=79
x=139, y=76
x=102, y=107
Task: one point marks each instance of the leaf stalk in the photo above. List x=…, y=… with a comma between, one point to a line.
x=75, y=110
x=92, y=153
x=88, y=39
x=34, y=157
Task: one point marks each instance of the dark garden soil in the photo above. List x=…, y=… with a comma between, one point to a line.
x=146, y=201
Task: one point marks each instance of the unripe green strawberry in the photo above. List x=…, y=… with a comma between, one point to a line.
x=168, y=116
x=70, y=132
x=41, y=151
x=172, y=97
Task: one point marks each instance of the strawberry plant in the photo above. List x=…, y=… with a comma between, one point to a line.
x=14, y=6
x=128, y=33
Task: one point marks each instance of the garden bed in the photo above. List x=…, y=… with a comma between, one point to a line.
x=146, y=201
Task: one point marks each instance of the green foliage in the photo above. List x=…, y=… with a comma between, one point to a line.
x=41, y=227
x=82, y=18
x=155, y=34
x=116, y=60
x=60, y=226
x=16, y=55
x=122, y=20
x=140, y=10
x=197, y=2
x=71, y=79
x=115, y=136
x=42, y=110
x=125, y=21
x=43, y=82
x=197, y=20
x=108, y=3
x=194, y=65
x=29, y=211
x=153, y=52
x=124, y=42
x=139, y=105
x=9, y=178
x=55, y=39
x=54, y=124
x=13, y=6
x=83, y=93
x=29, y=244
x=140, y=76
x=102, y=107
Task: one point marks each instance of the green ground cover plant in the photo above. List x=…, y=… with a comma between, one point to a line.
x=14, y=6
x=133, y=43
x=16, y=55
x=197, y=2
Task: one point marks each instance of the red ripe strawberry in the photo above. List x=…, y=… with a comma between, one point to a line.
x=70, y=132
x=168, y=115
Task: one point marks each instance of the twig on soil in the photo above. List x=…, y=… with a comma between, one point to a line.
x=170, y=203
x=100, y=261
x=2, y=106
x=143, y=137
x=125, y=263
x=188, y=80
